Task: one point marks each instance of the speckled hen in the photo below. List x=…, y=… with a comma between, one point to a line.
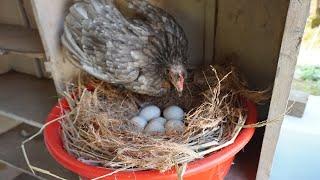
x=129, y=43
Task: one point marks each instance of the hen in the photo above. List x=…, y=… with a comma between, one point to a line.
x=127, y=42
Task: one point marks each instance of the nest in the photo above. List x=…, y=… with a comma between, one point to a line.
x=97, y=131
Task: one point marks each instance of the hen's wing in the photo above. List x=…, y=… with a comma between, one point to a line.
x=98, y=39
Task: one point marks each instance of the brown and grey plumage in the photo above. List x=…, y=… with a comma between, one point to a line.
x=129, y=43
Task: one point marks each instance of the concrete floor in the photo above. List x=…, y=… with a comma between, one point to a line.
x=298, y=151
x=9, y=173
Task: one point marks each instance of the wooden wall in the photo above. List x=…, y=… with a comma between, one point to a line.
x=249, y=32
x=11, y=13
x=191, y=16
x=18, y=13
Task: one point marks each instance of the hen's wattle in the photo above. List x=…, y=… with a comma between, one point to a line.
x=129, y=43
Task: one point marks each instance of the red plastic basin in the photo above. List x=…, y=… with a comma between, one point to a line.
x=213, y=166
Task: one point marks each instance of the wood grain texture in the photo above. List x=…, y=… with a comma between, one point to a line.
x=26, y=98
x=11, y=13
x=49, y=16
x=29, y=13
x=190, y=14
x=11, y=154
x=209, y=31
x=249, y=33
x=20, y=40
x=294, y=27
x=298, y=102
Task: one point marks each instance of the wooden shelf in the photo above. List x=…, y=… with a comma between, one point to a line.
x=20, y=40
x=11, y=154
x=26, y=98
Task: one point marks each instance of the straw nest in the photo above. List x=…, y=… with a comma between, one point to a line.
x=97, y=131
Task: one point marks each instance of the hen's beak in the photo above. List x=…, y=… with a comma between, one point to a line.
x=180, y=85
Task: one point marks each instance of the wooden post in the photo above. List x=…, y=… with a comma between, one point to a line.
x=293, y=32
x=49, y=16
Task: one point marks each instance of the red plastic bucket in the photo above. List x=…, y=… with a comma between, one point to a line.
x=213, y=166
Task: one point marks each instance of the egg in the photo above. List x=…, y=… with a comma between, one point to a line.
x=173, y=113
x=150, y=112
x=160, y=120
x=154, y=128
x=139, y=123
x=174, y=127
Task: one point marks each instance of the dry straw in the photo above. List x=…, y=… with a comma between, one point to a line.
x=97, y=129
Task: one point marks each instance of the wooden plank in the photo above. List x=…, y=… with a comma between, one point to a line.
x=29, y=13
x=294, y=27
x=7, y=124
x=249, y=34
x=20, y=40
x=11, y=13
x=12, y=154
x=49, y=16
x=298, y=102
x=21, y=63
x=26, y=98
x=210, y=18
x=24, y=171
x=191, y=16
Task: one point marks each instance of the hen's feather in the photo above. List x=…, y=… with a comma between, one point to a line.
x=130, y=51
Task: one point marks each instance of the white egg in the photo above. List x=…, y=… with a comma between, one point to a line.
x=174, y=127
x=160, y=120
x=139, y=123
x=173, y=113
x=150, y=112
x=154, y=128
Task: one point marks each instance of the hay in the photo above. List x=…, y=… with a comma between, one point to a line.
x=97, y=129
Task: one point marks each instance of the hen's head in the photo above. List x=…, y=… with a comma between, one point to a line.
x=177, y=75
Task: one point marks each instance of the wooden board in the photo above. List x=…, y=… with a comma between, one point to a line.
x=20, y=40
x=297, y=103
x=49, y=16
x=11, y=12
x=191, y=16
x=38, y=155
x=26, y=98
x=209, y=31
x=294, y=27
x=29, y=13
x=249, y=33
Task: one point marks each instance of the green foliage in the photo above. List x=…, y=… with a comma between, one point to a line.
x=307, y=79
x=315, y=21
x=311, y=30
x=310, y=87
x=311, y=73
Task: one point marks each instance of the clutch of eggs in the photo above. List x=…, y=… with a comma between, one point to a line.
x=149, y=120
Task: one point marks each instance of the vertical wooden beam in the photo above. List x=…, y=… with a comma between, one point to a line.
x=49, y=16
x=293, y=32
x=29, y=13
x=209, y=31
